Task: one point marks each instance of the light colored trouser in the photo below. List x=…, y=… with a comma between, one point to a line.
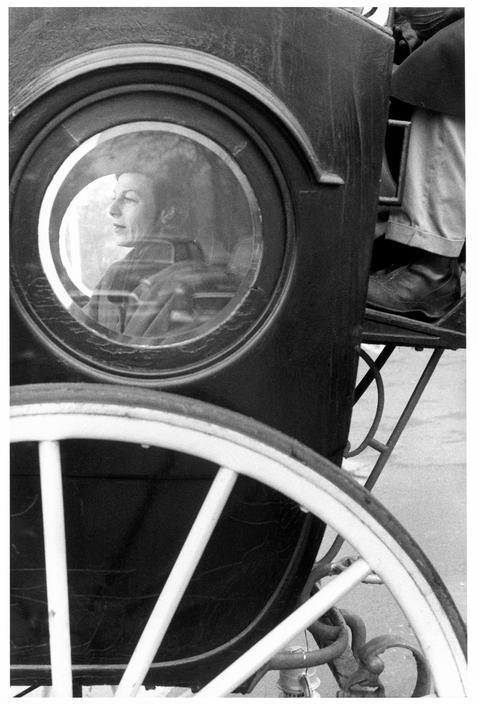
x=432, y=214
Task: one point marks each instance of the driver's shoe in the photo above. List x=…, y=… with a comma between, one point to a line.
x=426, y=287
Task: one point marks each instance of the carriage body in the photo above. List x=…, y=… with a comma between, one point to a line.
x=297, y=127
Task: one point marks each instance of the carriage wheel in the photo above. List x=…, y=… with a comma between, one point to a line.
x=51, y=413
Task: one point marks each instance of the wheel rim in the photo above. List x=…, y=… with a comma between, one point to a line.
x=58, y=412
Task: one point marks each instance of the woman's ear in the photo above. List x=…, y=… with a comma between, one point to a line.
x=167, y=215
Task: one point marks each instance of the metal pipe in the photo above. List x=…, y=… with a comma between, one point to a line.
x=311, y=658
x=357, y=628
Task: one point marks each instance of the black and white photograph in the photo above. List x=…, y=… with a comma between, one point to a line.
x=238, y=351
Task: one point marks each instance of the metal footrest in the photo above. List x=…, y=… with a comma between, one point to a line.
x=449, y=332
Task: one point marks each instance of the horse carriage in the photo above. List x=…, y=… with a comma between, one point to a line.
x=181, y=409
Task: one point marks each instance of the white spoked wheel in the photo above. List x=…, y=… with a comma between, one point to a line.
x=48, y=414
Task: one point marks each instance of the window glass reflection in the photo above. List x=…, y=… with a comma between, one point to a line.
x=150, y=234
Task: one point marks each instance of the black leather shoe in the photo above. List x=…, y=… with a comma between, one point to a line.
x=426, y=287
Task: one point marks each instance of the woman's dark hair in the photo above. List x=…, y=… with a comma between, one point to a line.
x=172, y=205
x=169, y=161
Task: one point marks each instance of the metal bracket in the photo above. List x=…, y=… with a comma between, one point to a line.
x=365, y=681
x=385, y=449
x=396, y=200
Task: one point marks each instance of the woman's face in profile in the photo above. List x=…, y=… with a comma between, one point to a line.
x=133, y=209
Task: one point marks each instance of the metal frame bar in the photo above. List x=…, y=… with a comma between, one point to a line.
x=396, y=200
x=373, y=373
x=384, y=449
x=370, y=375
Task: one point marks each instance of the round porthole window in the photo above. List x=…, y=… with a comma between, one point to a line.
x=151, y=232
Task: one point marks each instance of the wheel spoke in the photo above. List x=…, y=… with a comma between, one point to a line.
x=56, y=567
x=279, y=637
x=177, y=583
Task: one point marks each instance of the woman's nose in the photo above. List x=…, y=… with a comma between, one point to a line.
x=114, y=209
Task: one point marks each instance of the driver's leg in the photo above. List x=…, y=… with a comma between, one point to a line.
x=431, y=221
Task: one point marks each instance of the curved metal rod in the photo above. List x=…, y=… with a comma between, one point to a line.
x=321, y=655
x=357, y=628
x=319, y=570
x=371, y=666
x=248, y=663
x=379, y=407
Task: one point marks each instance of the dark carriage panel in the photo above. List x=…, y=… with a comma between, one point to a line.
x=331, y=122
x=274, y=121
x=124, y=531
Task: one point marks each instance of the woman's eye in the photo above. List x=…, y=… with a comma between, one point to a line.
x=124, y=199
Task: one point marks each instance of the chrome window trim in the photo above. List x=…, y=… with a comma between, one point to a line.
x=44, y=226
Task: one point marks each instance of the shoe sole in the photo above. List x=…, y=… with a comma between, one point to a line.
x=416, y=314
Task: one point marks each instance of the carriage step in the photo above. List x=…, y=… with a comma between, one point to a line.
x=449, y=332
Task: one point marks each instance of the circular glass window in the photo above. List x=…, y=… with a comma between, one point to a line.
x=150, y=234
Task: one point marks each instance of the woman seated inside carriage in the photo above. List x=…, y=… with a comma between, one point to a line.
x=164, y=280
